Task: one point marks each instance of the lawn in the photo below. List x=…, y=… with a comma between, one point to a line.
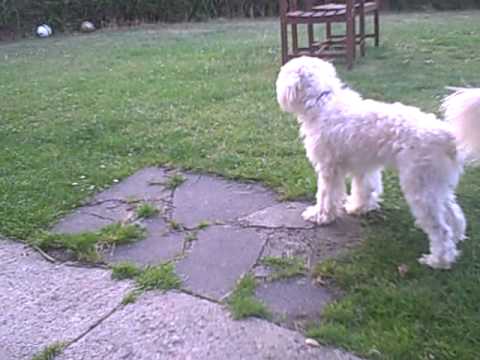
x=79, y=112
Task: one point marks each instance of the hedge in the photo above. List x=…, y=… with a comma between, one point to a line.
x=21, y=16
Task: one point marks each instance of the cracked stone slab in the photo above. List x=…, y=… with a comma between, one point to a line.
x=177, y=326
x=288, y=243
x=43, y=303
x=159, y=245
x=146, y=184
x=93, y=218
x=209, y=198
x=294, y=301
x=316, y=244
x=282, y=215
x=218, y=258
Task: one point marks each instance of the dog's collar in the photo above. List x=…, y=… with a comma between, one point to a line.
x=326, y=93
x=323, y=95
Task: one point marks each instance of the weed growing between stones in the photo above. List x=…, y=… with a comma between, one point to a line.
x=88, y=246
x=50, y=352
x=242, y=302
x=146, y=211
x=284, y=267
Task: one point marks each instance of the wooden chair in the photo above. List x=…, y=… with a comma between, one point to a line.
x=363, y=9
x=326, y=12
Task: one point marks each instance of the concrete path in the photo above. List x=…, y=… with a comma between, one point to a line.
x=215, y=231
x=44, y=303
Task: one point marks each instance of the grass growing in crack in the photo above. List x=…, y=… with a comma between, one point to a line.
x=242, y=302
x=131, y=297
x=203, y=225
x=159, y=277
x=146, y=211
x=191, y=236
x=175, y=225
x=175, y=181
x=50, y=352
x=87, y=246
x=125, y=270
x=284, y=267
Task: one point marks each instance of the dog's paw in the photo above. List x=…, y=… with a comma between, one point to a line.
x=315, y=215
x=434, y=262
x=354, y=208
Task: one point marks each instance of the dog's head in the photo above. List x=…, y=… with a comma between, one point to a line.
x=303, y=82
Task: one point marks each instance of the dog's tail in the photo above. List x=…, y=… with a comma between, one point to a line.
x=462, y=111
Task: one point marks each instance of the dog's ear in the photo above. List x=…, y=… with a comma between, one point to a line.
x=288, y=87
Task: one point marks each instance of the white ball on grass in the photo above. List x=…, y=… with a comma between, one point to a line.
x=43, y=31
x=87, y=26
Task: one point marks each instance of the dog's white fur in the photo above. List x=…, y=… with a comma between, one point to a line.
x=345, y=135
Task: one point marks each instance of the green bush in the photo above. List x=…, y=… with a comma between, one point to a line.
x=21, y=16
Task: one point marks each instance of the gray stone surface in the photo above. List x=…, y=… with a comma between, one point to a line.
x=282, y=215
x=146, y=184
x=94, y=217
x=218, y=258
x=294, y=301
x=160, y=245
x=315, y=244
x=210, y=198
x=42, y=303
x=177, y=326
x=336, y=238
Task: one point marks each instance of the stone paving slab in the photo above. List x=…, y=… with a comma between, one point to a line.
x=146, y=184
x=294, y=301
x=93, y=218
x=160, y=245
x=209, y=198
x=218, y=258
x=42, y=303
x=282, y=215
x=178, y=326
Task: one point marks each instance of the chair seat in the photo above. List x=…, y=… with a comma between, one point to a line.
x=368, y=7
x=317, y=16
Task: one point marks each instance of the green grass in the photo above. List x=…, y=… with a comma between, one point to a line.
x=175, y=225
x=203, y=225
x=50, y=352
x=125, y=270
x=160, y=277
x=284, y=267
x=175, y=181
x=131, y=297
x=242, y=301
x=87, y=246
x=79, y=112
x=146, y=211
x=191, y=236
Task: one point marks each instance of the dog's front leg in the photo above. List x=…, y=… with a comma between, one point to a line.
x=330, y=195
x=366, y=193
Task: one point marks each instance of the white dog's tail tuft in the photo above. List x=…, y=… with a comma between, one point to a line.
x=462, y=111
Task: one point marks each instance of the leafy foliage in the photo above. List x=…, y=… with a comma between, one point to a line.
x=22, y=15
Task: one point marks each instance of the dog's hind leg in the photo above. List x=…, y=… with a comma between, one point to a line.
x=456, y=219
x=365, y=193
x=427, y=198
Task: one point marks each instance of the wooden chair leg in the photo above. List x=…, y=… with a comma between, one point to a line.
x=328, y=30
x=350, y=42
x=284, y=41
x=362, y=33
x=376, y=26
x=310, y=37
x=294, y=39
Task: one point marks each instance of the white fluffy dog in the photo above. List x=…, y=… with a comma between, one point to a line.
x=345, y=135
